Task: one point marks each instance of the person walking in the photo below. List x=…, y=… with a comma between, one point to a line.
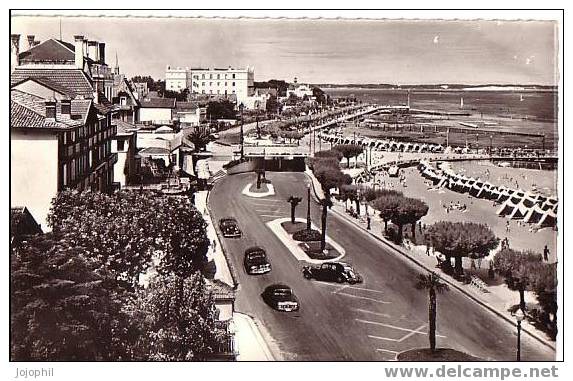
x=546, y=254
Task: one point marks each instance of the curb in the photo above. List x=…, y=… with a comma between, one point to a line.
x=259, y=337
x=448, y=281
x=232, y=269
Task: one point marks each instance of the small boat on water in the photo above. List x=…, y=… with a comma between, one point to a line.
x=521, y=97
x=462, y=102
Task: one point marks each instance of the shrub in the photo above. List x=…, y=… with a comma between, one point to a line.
x=307, y=235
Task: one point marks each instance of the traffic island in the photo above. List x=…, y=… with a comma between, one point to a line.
x=265, y=190
x=440, y=354
x=307, y=246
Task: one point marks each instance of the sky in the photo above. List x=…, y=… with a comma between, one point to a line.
x=322, y=51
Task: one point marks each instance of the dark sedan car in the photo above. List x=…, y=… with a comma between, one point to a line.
x=332, y=272
x=229, y=227
x=281, y=298
x=256, y=261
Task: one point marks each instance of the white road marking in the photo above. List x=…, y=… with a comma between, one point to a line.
x=414, y=332
x=363, y=297
x=349, y=286
x=270, y=215
x=340, y=289
x=387, y=350
x=410, y=333
x=382, y=338
x=372, y=312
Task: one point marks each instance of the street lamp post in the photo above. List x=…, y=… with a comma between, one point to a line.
x=519, y=316
x=308, y=207
x=241, y=107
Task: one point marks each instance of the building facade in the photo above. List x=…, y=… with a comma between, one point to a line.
x=239, y=82
x=177, y=78
x=157, y=111
x=57, y=145
x=124, y=145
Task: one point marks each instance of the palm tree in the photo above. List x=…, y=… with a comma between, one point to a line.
x=294, y=201
x=199, y=136
x=432, y=282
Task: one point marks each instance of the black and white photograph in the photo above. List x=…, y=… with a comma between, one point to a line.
x=227, y=187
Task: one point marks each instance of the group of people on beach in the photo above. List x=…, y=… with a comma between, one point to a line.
x=455, y=206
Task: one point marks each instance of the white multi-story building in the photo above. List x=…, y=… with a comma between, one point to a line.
x=224, y=82
x=177, y=78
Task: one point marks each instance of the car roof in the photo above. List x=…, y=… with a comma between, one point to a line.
x=254, y=249
x=277, y=286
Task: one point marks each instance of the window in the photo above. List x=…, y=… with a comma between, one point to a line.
x=203, y=84
x=210, y=83
x=218, y=76
x=210, y=76
x=233, y=83
x=233, y=76
x=202, y=91
x=218, y=83
x=225, y=83
x=120, y=145
x=123, y=101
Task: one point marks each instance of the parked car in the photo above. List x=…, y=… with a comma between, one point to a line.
x=256, y=261
x=332, y=272
x=230, y=228
x=281, y=298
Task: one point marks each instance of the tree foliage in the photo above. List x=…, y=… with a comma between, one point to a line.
x=461, y=239
x=223, y=109
x=349, y=150
x=518, y=269
x=409, y=211
x=431, y=282
x=176, y=319
x=122, y=231
x=331, y=178
x=387, y=205
x=63, y=306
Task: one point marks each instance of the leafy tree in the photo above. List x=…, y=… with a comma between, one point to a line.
x=519, y=269
x=387, y=205
x=175, y=325
x=122, y=231
x=63, y=307
x=292, y=135
x=330, y=178
x=461, y=239
x=293, y=201
x=223, y=109
x=319, y=95
x=434, y=285
x=329, y=153
x=409, y=211
x=545, y=288
x=349, y=150
x=350, y=192
x=272, y=106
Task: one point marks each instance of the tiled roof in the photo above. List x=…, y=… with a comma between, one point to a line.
x=221, y=291
x=51, y=85
x=187, y=106
x=74, y=80
x=22, y=222
x=49, y=50
x=124, y=128
x=159, y=103
x=154, y=151
x=104, y=106
x=29, y=111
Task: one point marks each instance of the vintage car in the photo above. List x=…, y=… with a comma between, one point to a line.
x=256, y=261
x=332, y=272
x=230, y=228
x=281, y=298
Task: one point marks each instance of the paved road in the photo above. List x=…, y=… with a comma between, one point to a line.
x=371, y=321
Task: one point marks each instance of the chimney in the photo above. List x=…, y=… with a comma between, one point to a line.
x=14, y=50
x=30, y=41
x=50, y=109
x=66, y=106
x=102, y=52
x=93, y=50
x=79, y=51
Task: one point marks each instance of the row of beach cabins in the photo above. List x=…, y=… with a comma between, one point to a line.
x=516, y=204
